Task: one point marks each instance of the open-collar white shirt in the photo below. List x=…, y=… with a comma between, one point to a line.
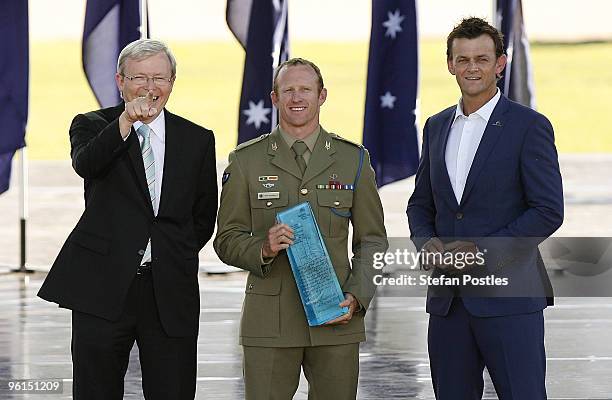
x=463, y=141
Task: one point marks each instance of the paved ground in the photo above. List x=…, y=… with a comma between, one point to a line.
x=35, y=335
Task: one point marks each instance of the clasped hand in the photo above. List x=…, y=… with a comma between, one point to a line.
x=435, y=254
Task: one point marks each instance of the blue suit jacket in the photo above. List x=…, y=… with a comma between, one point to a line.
x=513, y=191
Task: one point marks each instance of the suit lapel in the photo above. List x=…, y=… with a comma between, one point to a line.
x=138, y=165
x=446, y=127
x=172, y=159
x=281, y=154
x=491, y=135
x=133, y=150
x=321, y=158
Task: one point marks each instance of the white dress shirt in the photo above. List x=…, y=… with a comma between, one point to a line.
x=158, y=139
x=463, y=140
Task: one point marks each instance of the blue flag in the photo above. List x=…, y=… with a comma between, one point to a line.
x=517, y=82
x=389, y=131
x=14, y=71
x=261, y=28
x=109, y=26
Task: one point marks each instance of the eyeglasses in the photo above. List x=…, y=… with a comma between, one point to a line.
x=143, y=80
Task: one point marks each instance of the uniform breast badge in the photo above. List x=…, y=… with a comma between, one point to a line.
x=335, y=184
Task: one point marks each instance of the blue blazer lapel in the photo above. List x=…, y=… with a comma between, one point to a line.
x=491, y=135
x=446, y=127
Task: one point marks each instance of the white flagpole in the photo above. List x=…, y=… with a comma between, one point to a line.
x=277, y=39
x=23, y=209
x=23, y=198
x=494, y=15
x=144, y=27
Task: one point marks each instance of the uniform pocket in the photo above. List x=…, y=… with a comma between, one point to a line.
x=263, y=210
x=261, y=309
x=334, y=211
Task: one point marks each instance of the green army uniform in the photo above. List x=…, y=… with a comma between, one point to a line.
x=263, y=178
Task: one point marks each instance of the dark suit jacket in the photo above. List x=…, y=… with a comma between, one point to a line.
x=513, y=199
x=98, y=262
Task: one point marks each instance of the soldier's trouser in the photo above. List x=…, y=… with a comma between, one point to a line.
x=273, y=373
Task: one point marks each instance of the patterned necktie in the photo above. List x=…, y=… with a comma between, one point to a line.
x=149, y=164
x=299, y=148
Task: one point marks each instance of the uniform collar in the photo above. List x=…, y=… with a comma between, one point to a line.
x=310, y=140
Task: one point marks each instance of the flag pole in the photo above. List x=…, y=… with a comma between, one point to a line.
x=144, y=20
x=494, y=15
x=23, y=210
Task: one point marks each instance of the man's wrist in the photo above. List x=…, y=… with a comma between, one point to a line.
x=265, y=260
x=358, y=306
x=125, y=126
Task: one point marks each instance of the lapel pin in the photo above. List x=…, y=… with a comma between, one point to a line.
x=274, y=146
x=327, y=145
x=498, y=123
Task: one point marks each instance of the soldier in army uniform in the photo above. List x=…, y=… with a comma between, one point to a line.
x=299, y=161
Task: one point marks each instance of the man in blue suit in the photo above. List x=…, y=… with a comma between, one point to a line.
x=488, y=185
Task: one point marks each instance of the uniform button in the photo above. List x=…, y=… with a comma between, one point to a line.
x=304, y=191
x=336, y=203
x=459, y=215
x=268, y=204
x=250, y=286
x=141, y=252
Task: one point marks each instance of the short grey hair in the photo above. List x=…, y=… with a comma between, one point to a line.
x=144, y=48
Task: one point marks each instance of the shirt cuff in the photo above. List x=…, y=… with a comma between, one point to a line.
x=265, y=260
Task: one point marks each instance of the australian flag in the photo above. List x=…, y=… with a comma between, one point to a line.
x=14, y=71
x=517, y=82
x=390, y=132
x=261, y=27
x=109, y=26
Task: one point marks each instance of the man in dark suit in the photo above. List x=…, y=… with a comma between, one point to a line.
x=129, y=269
x=488, y=185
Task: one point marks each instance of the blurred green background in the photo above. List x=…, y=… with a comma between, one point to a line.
x=573, y=85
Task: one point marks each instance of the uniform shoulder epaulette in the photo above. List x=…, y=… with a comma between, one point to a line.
x=252, y=141
x=335, y=136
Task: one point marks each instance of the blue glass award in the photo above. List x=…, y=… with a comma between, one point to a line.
x=312, y=268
